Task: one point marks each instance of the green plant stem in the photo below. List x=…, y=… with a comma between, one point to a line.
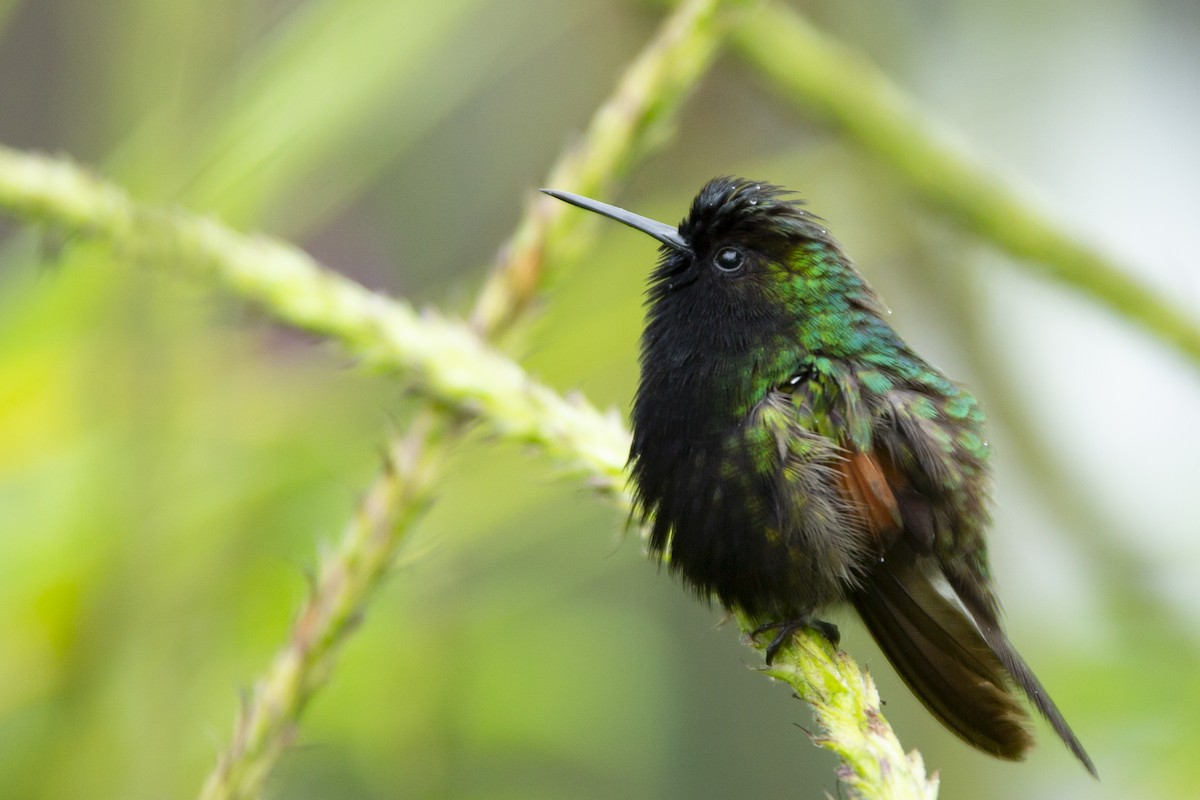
x=447, y=360
x=345, y=580
x=829, y=79
x=846, y=705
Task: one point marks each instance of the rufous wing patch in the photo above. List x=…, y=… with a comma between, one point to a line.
x=864, y=483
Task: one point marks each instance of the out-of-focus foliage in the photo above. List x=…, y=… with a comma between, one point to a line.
x=170, y=464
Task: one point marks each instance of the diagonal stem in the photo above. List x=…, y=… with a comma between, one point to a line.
x=825, y=77
x=347, y=577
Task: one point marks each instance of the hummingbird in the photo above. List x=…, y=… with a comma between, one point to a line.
x=791, y=452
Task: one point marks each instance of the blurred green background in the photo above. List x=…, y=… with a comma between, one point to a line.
x=170, y=462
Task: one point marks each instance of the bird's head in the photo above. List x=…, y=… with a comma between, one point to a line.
x=745, y=243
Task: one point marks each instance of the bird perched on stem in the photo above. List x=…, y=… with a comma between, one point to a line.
x=791, y=452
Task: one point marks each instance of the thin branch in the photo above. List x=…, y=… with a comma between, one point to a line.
x=453, y=366
x=448, y=361
x=825, y=77
x=346, y=580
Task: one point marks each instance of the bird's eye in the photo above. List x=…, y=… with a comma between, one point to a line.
x=729, y=259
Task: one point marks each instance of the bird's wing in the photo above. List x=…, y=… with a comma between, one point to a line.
x=875, y=482
x=827, y=404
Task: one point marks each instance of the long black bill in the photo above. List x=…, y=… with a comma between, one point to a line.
x=661, y=231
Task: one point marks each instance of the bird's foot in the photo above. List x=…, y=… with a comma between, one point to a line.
x=786, y=628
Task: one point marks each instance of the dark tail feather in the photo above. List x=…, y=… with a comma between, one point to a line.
x=989, y=626
x=943, y=658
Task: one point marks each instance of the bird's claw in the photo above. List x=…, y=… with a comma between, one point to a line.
x=786, y=628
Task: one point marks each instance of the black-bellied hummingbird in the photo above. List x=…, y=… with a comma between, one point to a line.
x=791, y=452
